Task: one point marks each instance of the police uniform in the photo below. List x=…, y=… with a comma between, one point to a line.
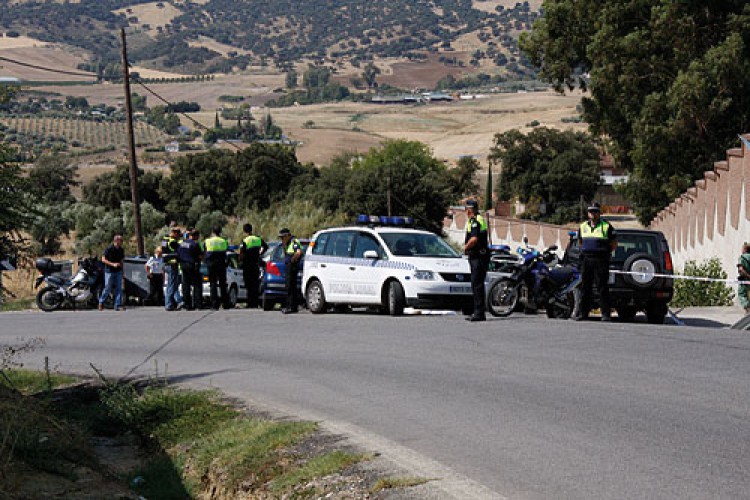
x=252, y=248
x=292, y=269
x=596, y=246
x=479, y=260
x=189, y=255
x=172, y=299
x=216, y=261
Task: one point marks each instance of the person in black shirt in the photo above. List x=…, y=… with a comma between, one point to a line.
x=189, y=255
x=252, y=249
x=113, y=257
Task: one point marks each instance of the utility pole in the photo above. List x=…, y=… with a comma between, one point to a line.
x=131, y=148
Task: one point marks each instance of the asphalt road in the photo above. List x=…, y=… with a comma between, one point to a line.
x=522, y=407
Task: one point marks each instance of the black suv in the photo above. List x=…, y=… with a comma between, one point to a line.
x=642, y=251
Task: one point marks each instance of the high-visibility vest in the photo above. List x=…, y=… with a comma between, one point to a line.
x=251, y=252
x=216, y=251
x=252, y=241
x=292, y=246
x=171, y=250
x=483, y=241
x=595, y=239
x=216, y=244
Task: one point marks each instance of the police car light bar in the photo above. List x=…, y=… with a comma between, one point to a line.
x=384, y=220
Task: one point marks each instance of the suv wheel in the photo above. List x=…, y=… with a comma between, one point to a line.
x=656, y=313
x=645, y=268
x=396, y=298
x=316, y=299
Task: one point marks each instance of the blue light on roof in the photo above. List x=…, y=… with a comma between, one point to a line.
x=385, y=220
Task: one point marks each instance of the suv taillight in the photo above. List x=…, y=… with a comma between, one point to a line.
x=272, y=268
x=667, y=261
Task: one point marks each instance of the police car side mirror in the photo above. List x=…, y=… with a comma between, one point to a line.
x=370, y=254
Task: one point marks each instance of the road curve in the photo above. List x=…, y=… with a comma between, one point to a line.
x=522, y=407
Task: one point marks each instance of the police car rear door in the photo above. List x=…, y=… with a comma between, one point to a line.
x=336, y=275
x=366, y=270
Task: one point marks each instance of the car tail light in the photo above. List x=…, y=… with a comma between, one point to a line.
x=661, y=295
x=272, y=268
x=667, y=261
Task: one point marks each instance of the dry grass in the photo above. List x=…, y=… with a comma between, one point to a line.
x=42, y=55
x=256, y=87
x=149, y=13
x=489, y=5
x=452, y=130
x=221, y=48
x=19, y=42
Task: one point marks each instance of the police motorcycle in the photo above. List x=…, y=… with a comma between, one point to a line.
x=82, y=289
x=536, y=283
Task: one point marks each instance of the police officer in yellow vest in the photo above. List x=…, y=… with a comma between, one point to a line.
x=292, y=256
x=476, y=247
x=597, y=240
x=252, y=249
x=216, y=261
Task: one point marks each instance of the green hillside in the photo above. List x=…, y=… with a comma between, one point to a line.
x=279, y=33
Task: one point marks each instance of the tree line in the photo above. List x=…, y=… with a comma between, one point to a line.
x=667, y=83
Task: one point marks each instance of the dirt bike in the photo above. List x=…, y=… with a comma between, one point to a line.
x=82, y=289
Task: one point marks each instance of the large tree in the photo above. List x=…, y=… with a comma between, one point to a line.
x=417, y=184
x=669, y=82
x=110, y=189
x=16, y=212
x=51, y=178
x=547, y=166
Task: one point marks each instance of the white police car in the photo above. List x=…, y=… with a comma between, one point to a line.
x=381, y=263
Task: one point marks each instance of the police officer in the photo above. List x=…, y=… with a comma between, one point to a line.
x=252, y=249
x=172, y=268
x=216, y=261
x=476, y=247
x=293, y=255
x=189, y=254
x=597, y=240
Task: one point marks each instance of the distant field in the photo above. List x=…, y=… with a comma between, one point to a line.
x=149, y=13
x=41, y=55
x=489, y=5
x=451, y=130
x=7, y=42
x=91, y=135
x=256, y=88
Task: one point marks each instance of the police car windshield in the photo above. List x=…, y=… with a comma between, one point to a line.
x=418, y=245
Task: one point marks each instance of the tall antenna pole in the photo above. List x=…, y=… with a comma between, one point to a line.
x=131, y=148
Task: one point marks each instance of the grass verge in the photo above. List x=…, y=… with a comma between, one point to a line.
x=18, y=304
x=196, y=445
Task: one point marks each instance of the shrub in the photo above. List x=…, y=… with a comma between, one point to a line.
x=702, y=293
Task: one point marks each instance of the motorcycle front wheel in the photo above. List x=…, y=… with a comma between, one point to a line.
x=48, y=299
x=503, y=298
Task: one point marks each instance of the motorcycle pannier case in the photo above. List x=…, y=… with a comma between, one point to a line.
x=46, y=265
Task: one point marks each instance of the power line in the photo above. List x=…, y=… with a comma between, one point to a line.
x=148, y=89
x=199, y=124
x=44, y=68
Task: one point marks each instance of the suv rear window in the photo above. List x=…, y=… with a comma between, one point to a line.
x=631, y=243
